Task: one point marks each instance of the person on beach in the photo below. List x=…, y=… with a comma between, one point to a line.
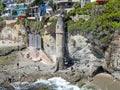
x=83, y=72
x=38, y=68
x=17, y=65
x=9, y=79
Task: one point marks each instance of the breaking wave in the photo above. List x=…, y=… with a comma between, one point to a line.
x=55, y=83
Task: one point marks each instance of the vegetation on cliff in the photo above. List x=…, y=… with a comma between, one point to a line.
x=104, y=20
x=100, y=27
x=36, y=24
x=1, y=8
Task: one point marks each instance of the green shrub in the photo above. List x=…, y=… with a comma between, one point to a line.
x=2, y=8
x=101, y=25
x=106, y=38
x=72, y=13
x=74, y=26
x=76, y=5
x=1, y=19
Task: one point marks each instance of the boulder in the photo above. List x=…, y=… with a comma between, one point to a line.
x=98, y=70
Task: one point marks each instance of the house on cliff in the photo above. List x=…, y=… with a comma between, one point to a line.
x=40, y=11
x=12, y=11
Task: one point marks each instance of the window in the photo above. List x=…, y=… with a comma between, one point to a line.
x=57, y=27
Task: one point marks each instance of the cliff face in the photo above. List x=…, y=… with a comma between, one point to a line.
x=12, y=32
x=78, y=49
x=2, y=25
x=112, y=56
x=4, y=51
x=49, y=46
x=11, y=36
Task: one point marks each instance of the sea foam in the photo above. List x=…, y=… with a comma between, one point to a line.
x=56, y=83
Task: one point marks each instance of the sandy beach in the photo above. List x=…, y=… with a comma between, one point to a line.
x=106, y=82
x=25, y=67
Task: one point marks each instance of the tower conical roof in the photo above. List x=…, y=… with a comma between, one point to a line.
x=60, y=25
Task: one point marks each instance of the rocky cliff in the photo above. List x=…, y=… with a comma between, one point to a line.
x=112, y=55
x=8, y=50
x=79, y=51
x=12, y=36
x=13, y=32
x=115, y=50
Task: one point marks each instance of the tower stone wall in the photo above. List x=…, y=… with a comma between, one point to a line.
x=60, y=34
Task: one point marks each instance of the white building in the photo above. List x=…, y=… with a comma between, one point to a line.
x=62, y=1
x=93, y=0
x=83, y=2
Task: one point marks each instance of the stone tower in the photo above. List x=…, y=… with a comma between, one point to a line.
x=60, y=43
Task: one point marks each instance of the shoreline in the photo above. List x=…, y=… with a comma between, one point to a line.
x=27, y=72
x=67, y=75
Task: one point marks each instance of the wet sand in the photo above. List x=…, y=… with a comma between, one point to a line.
x=106, y=82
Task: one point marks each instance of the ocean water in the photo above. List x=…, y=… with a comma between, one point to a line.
x=55, y=83
x=2, y=88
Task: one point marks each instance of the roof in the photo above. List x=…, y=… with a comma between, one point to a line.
x=59, y=21
x=62, y=1
x=59, y=25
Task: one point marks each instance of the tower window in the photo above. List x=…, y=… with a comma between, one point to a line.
x=57, y=27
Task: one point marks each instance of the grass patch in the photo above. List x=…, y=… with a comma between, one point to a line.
x=74, y=26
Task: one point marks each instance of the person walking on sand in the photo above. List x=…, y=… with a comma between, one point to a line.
x=17, y=65
x=38, y=68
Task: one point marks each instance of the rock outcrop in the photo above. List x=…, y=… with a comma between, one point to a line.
x=8, y=50
x=49, y=46
x=81, y=50
x=112, y=53
x=14, y=32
